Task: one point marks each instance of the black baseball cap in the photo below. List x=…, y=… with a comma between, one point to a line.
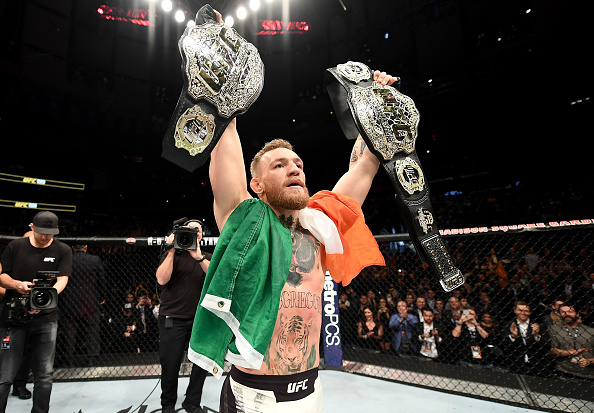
x=46, y=222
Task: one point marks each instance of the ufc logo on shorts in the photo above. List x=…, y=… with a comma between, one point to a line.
x=295, y=387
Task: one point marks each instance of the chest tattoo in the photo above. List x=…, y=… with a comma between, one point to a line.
x=305, y=251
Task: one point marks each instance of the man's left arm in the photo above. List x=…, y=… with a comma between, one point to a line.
x=363, y=164
x=61, y=282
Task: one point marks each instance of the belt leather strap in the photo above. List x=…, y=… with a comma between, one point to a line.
x=388, y=120
x=223, y=76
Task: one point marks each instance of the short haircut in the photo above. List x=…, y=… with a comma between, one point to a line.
x=427, y=309
x=269, y=146
x=521, y=303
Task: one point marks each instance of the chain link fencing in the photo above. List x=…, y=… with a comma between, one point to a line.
x=108, y=327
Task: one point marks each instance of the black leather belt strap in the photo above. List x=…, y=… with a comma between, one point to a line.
x=223, y=76
x=387, y=120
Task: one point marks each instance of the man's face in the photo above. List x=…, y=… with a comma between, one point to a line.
x=522, y=312
x=454, y=304
x=439, y=305
x=568, y=314
x=401, y=307
x=420, y=302
x=281, y=181
x=428, y=317
x=42, y=239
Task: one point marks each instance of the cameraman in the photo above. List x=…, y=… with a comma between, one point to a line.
x=21, y=261
x=181, y=273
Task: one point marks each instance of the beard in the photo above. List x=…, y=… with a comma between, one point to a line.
x=282, y=200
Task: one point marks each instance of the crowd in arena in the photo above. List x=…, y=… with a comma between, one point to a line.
x=506, y=316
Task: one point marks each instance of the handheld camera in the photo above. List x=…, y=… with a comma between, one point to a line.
x=185, y=238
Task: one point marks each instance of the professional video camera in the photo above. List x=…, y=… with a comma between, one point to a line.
x=185, y=238
x=43, y=296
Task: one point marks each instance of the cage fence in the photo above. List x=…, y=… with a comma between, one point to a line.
x=490, y=339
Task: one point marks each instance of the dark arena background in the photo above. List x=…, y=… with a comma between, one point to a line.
x=504, y=93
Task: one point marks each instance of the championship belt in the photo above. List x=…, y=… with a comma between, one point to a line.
x=388, y=120
x=223, y=76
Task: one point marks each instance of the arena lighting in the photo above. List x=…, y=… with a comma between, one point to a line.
x=134, y=16
x=167, y=5
x=241, y=13
x=190, y=23
x=274, y=27
x=180, y=16
x=229, y=22
x=254, y=5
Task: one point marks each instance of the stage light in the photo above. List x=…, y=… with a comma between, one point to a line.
x=167, y=5
x=254, y=5
x=241, y=13
x=190, y=23
x=180, y=16
x=229, y=22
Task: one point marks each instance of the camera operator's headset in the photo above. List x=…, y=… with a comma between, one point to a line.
x=192, y=220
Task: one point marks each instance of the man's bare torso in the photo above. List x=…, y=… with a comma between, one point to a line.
x=295, y=340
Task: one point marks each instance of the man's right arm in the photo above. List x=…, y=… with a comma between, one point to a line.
x=22, y=287
x=227, y=175
x=165, y=269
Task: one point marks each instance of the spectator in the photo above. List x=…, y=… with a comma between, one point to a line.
x=469, y=341
x=410, y=302
x=344, y=302
x=439, y=311
x=485, y=305
x=531, y=259
x=430, y=300
x=372, y=300
x=572, y=343
x=429, y=333
x=363, y=302
x=523, y=343
x=584, y=299
x=402, y=322
x=464, y=305
x=391, y=301
x=420, y=303
x=370, y=331
x=147, y=327
x=383, y=317
x=449, y=315
x=126, y=326
x=553, y=317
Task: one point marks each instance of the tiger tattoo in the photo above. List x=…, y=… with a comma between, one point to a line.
x=293, y=353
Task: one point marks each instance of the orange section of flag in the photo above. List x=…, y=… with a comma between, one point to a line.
x=359, y=245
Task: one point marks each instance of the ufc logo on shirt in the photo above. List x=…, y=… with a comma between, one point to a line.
x=49, y=259
x=295, y=387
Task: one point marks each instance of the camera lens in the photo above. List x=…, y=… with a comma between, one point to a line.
x=184, y=240
x=41, y=299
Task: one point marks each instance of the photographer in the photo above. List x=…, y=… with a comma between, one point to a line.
x=181, y=273
x=21, y=261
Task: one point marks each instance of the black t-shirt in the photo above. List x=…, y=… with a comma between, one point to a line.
x=22, y=261
x=180, y=296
